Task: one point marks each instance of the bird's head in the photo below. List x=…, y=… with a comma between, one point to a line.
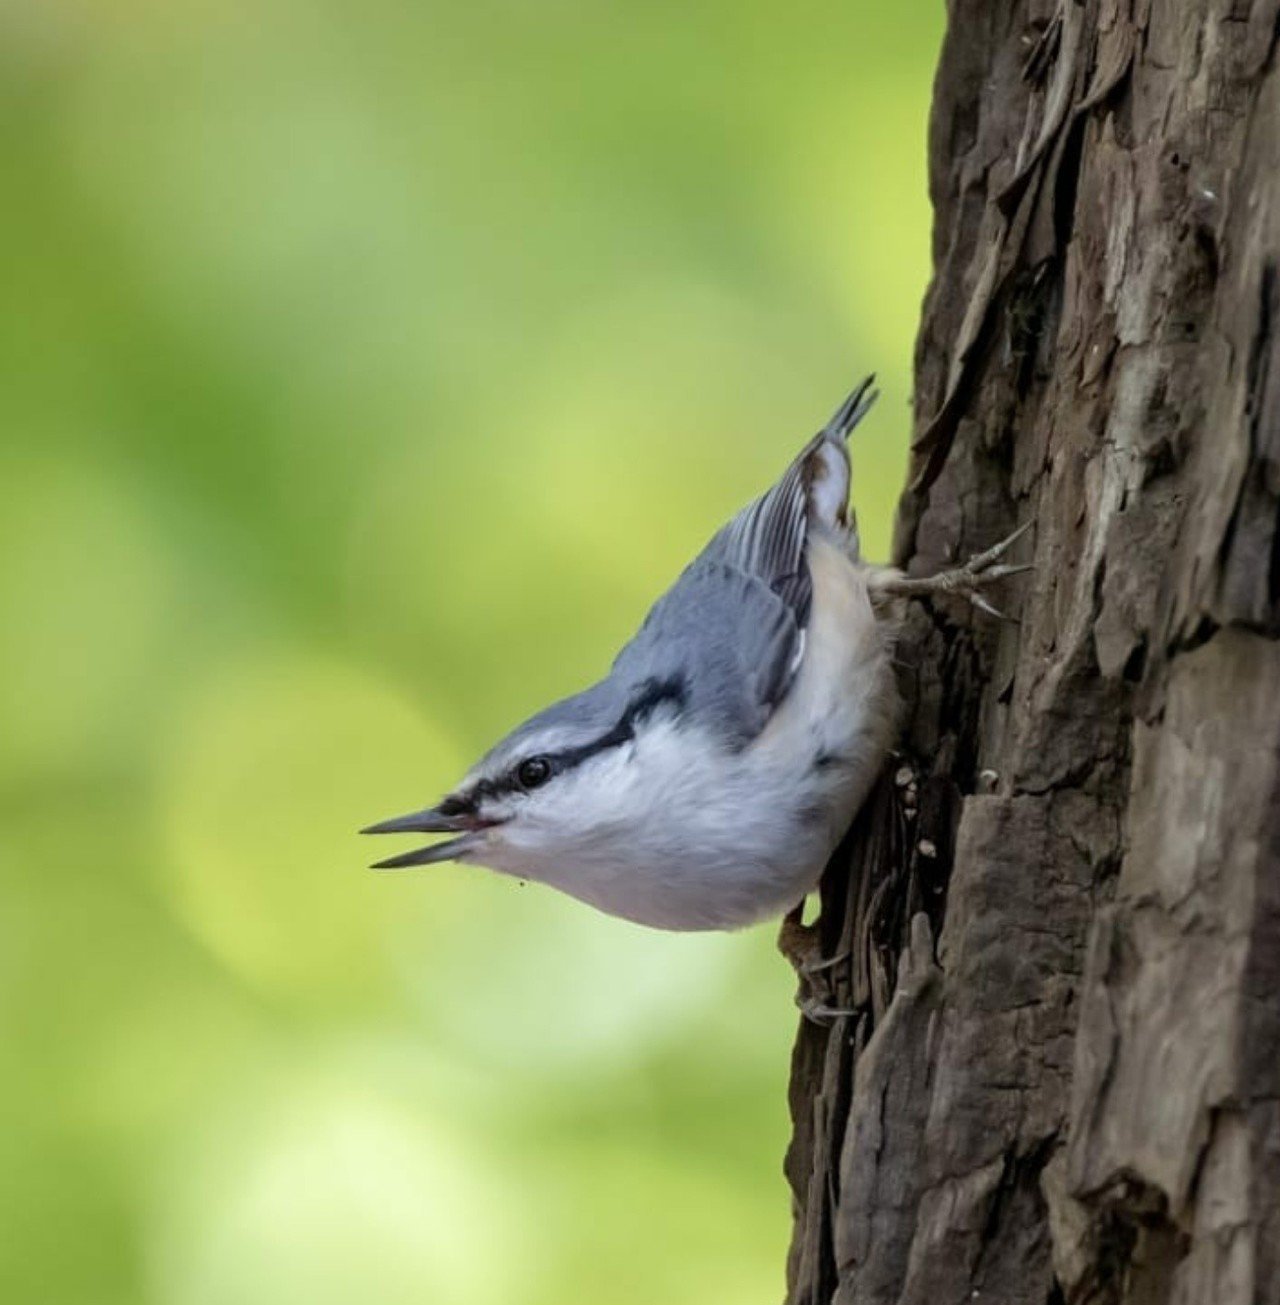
x=563, y=785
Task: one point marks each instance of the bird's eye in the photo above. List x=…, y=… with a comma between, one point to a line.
x=533, y=772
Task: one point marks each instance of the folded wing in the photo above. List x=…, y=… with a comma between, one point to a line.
x=732, y=626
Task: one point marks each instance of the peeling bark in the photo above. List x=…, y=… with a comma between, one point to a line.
x=1056, y=1077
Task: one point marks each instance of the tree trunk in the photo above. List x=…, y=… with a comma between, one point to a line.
x=1056, y=1077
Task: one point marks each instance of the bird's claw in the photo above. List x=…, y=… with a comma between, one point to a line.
x=980, y=561
x=810, y=966
x=967, y=581
x=819, y=1013
x=799, y=943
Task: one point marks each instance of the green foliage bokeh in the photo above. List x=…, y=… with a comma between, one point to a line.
x=365, y=371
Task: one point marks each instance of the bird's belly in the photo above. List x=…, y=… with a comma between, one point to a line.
x=732, y=840
x=722, y=862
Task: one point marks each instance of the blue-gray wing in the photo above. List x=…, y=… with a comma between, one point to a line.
x=730, y=631
x=724, y=641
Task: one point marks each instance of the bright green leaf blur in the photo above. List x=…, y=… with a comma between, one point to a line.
x=365, y=370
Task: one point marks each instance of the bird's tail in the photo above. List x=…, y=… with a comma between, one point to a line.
x=852, y=410
x=767, y=538
x=827, y=473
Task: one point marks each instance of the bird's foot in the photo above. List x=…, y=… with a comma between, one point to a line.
x=819, y=1013
x=967, y=581
x=800, y=943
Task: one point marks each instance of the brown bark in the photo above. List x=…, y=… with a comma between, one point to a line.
x=1058, y=1079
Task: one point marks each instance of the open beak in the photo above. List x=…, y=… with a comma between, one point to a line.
x=430, y=821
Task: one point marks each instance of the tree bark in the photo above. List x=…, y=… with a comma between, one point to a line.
x=1056, y=1077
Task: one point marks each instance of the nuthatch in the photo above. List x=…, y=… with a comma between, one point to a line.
x=706, y=780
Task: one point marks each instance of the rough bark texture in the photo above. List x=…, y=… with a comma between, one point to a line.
x=1058, y=1077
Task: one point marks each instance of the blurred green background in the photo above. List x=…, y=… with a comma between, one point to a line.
x=366, y=371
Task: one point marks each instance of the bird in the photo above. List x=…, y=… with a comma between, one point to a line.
x=704, y=782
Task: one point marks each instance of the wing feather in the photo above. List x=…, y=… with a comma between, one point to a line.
x=731, y=626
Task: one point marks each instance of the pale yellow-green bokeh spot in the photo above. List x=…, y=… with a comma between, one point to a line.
x=568, y=991
x=322, y=1190
x=273, y=766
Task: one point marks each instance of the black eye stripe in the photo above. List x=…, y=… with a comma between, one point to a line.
x=652, y=694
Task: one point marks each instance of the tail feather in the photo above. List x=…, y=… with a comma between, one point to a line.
x=767, y=538
x=827, y=470
x=852, y=410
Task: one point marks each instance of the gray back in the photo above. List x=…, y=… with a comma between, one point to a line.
x=730, y=628
x=726, y=637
